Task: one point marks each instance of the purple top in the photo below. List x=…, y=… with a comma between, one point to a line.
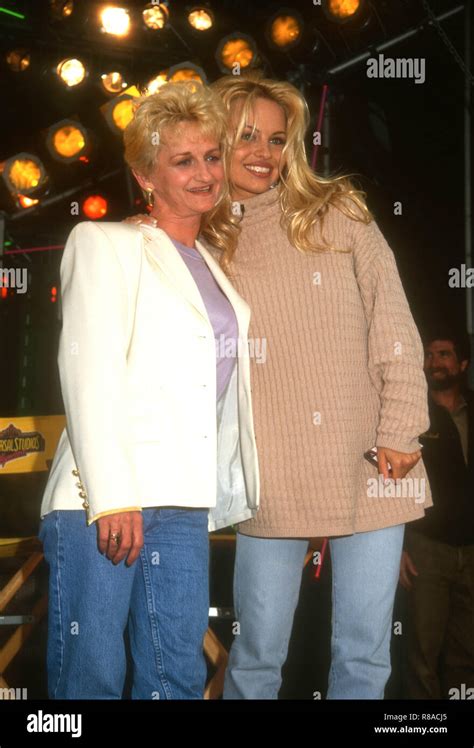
x=220, y=311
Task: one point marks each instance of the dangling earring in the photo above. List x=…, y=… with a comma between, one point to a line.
x=150, y=201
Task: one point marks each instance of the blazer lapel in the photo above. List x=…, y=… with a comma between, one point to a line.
x=161, y=251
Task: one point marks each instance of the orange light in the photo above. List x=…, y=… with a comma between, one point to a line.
x=95, y=207
x=122, y=113
x=113, y=82
x=238, y=49
x=115, y=21
x=62, y=8
x=18, y=60
x=342, y=9
x=285, y=31
x=185, y=75
x=155, y=16
x=200, y=19
x=3, y=292
x=68, y=141
x=155, y=83
x=71, y=71
x=25, y=174
x=27, y=202
x=186, y=71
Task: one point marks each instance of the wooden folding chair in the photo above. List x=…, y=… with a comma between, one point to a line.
x=28, y=444
x=30, y=550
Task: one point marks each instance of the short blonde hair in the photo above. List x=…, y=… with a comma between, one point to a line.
x=173, y=105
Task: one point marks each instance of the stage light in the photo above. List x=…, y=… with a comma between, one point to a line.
x=113, y=82
x=186, y=71
x=95, y=207
x=71, y=71
x=115, y=21
x=120, y=111
x=27, y=202
x=155, y=17
x=54, y=294
x=342, y=11
x=235, y=49
x=67, y=141
x=284, y=29
x=61, y=9
x=156, y=83
x=18, y=60
x=201, y=19
x=24, y=174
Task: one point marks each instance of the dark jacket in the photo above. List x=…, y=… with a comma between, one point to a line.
x=451, y=518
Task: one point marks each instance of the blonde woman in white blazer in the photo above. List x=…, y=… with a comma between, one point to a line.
x=159, y=444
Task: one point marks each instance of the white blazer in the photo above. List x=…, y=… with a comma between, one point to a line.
x=137, y=363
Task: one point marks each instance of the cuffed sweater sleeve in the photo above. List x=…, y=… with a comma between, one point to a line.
x=395, y=351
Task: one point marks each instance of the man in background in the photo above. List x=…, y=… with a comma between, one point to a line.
x=437, y=566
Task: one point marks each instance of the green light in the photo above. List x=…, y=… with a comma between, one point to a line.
x=12, y=13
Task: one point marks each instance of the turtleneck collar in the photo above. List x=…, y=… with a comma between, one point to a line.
x=258, y=207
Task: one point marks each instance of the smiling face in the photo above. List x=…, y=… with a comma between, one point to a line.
x=442, y=367
x=257, y=156
x=188, y=174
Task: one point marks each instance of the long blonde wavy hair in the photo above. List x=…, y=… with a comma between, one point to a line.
x=304, y=196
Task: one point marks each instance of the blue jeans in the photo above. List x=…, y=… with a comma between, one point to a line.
x=267, y=580
x=163, y=597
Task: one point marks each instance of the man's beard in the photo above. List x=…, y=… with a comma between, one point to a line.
x=447, y=383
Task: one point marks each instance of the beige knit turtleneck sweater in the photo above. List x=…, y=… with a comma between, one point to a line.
x=342, y=372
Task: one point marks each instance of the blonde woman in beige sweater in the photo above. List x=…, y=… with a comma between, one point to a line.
x=337, y=369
